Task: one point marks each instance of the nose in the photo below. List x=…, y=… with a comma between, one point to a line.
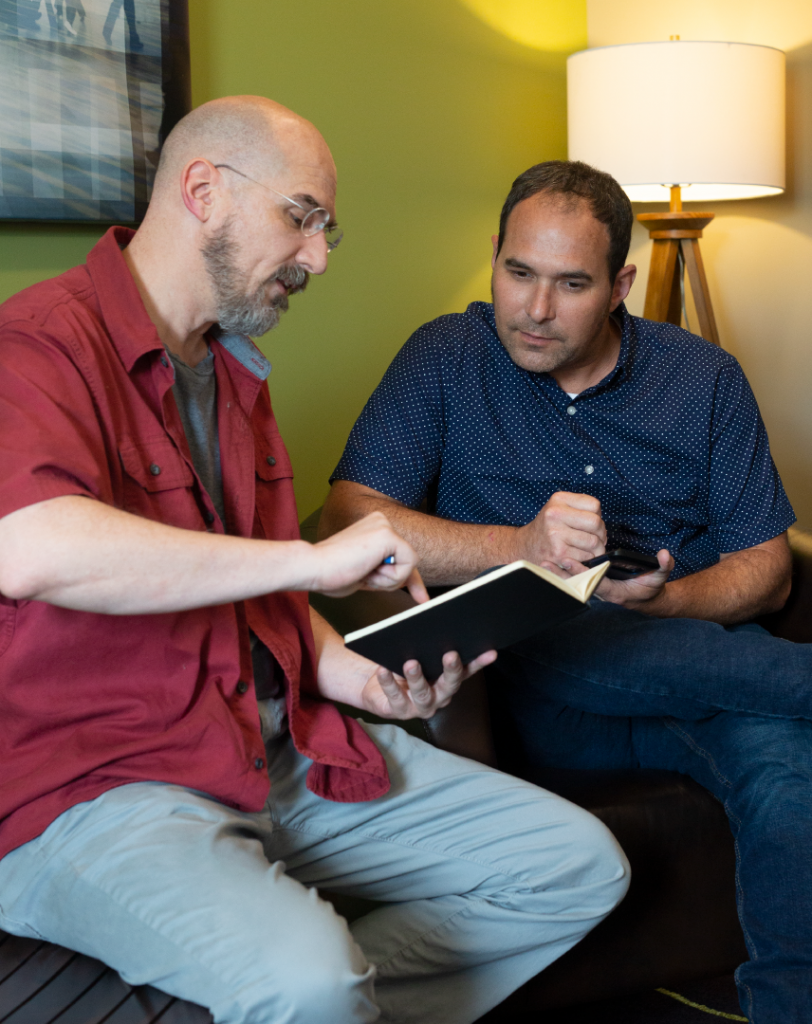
x=540, y=305
x=313, y=253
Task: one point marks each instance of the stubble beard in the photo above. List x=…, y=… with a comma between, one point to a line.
x=563, y=351
x=558, y=353
x=238, y=311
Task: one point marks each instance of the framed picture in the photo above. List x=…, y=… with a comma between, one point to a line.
x=89, y=89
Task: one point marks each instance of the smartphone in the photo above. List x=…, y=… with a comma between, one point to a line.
x=625, y=564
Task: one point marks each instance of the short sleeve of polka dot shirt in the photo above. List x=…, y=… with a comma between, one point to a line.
x=671, y=442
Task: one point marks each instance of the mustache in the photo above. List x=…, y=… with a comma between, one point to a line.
x=292, y=276
x=529, y=327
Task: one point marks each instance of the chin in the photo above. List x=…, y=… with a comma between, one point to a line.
x=536, y=362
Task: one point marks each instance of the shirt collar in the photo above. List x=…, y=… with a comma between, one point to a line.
x=244, y=351
x=622, y=318
x=132, y=332
x=621, y=368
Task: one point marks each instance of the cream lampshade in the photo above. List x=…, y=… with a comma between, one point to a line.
x=691, y=121
x=706, y=116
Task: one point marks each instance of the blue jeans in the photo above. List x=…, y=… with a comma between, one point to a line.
x=615, y=689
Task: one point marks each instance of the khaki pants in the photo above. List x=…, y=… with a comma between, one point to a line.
x=484, y=880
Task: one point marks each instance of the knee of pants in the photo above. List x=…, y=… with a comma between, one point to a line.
x=597, y=868
x=774, y=795
x=323, y=978
x=761, y=768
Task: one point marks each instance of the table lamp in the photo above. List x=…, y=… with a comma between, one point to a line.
x=680, y=122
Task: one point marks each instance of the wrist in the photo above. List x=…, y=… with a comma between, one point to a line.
x=514, y=546
x=658, y=605
x=302, y=565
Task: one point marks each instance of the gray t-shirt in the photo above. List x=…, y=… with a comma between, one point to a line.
x=195, y=391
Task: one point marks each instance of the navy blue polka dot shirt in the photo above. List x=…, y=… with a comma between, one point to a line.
x=671, y=442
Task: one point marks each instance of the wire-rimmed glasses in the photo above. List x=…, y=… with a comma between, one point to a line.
x=315, y=220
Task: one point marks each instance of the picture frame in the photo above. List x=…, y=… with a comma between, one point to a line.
x=89, y=90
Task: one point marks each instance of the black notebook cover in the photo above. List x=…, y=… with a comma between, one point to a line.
x=510, y=604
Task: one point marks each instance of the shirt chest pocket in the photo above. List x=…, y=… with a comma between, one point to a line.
x=276, y=508
x=157, y=483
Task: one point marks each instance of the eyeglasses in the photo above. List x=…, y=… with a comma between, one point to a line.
x=314, y=221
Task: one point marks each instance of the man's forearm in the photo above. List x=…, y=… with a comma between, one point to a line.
x=82, y=554
x=740, y=587
x=450, y=552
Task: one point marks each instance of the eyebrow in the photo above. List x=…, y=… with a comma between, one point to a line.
x=580, y=275
x=517, y=264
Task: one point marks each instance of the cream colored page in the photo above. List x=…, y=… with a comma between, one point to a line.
x=581, y=586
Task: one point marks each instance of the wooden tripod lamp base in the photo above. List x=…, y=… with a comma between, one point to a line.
x=672, y=233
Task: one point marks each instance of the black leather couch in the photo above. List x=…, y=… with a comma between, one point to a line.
x=677, y=923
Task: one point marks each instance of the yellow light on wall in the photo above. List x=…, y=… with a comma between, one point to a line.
x=707, y=116
x=552, y=25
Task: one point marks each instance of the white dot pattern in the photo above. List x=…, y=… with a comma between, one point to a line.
x=671, y=442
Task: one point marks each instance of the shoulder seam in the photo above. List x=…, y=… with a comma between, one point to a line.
x=61, y=300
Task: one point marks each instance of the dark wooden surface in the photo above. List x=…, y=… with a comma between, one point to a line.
x=45, y=984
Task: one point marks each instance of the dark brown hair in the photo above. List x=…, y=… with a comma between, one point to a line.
x=571, y=179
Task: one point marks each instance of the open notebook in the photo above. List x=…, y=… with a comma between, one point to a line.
x=495, y=610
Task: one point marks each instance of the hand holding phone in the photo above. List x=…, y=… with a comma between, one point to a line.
x=625, y=564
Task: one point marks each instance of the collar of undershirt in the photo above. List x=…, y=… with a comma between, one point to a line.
x=244, y=351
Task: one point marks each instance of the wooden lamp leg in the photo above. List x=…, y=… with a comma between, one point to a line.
x=663, y=292
x=699, y=287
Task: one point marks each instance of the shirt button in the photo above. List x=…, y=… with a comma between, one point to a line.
x=164, y=361
x=209, y=517
x=589, y=469
x=271, y=460
x=571, y=410
x=155, y=469
x=242, y=686
x=259, y=764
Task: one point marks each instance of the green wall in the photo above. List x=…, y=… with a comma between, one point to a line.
x=430, y=114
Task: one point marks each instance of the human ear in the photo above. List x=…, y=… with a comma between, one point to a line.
x=199, y=183
x=495, y=243
x=622, y=286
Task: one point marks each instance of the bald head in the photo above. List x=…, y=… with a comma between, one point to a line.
x=253, y=133
x=223, y=238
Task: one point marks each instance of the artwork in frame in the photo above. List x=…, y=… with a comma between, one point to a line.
x=89, y=89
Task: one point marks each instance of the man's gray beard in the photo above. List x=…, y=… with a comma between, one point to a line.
x=238, y=312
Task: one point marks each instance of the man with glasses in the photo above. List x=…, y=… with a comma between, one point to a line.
x=176, y=782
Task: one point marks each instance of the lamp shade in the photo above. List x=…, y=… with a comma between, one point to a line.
x=707, y=116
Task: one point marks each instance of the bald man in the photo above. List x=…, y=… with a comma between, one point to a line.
x=176, y=781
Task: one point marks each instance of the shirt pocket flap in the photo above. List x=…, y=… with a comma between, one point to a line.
x=273, y=461
x=156, y=465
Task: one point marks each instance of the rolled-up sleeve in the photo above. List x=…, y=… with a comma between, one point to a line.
x=748, y=504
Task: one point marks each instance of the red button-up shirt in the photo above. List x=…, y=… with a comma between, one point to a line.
x=91, y=701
